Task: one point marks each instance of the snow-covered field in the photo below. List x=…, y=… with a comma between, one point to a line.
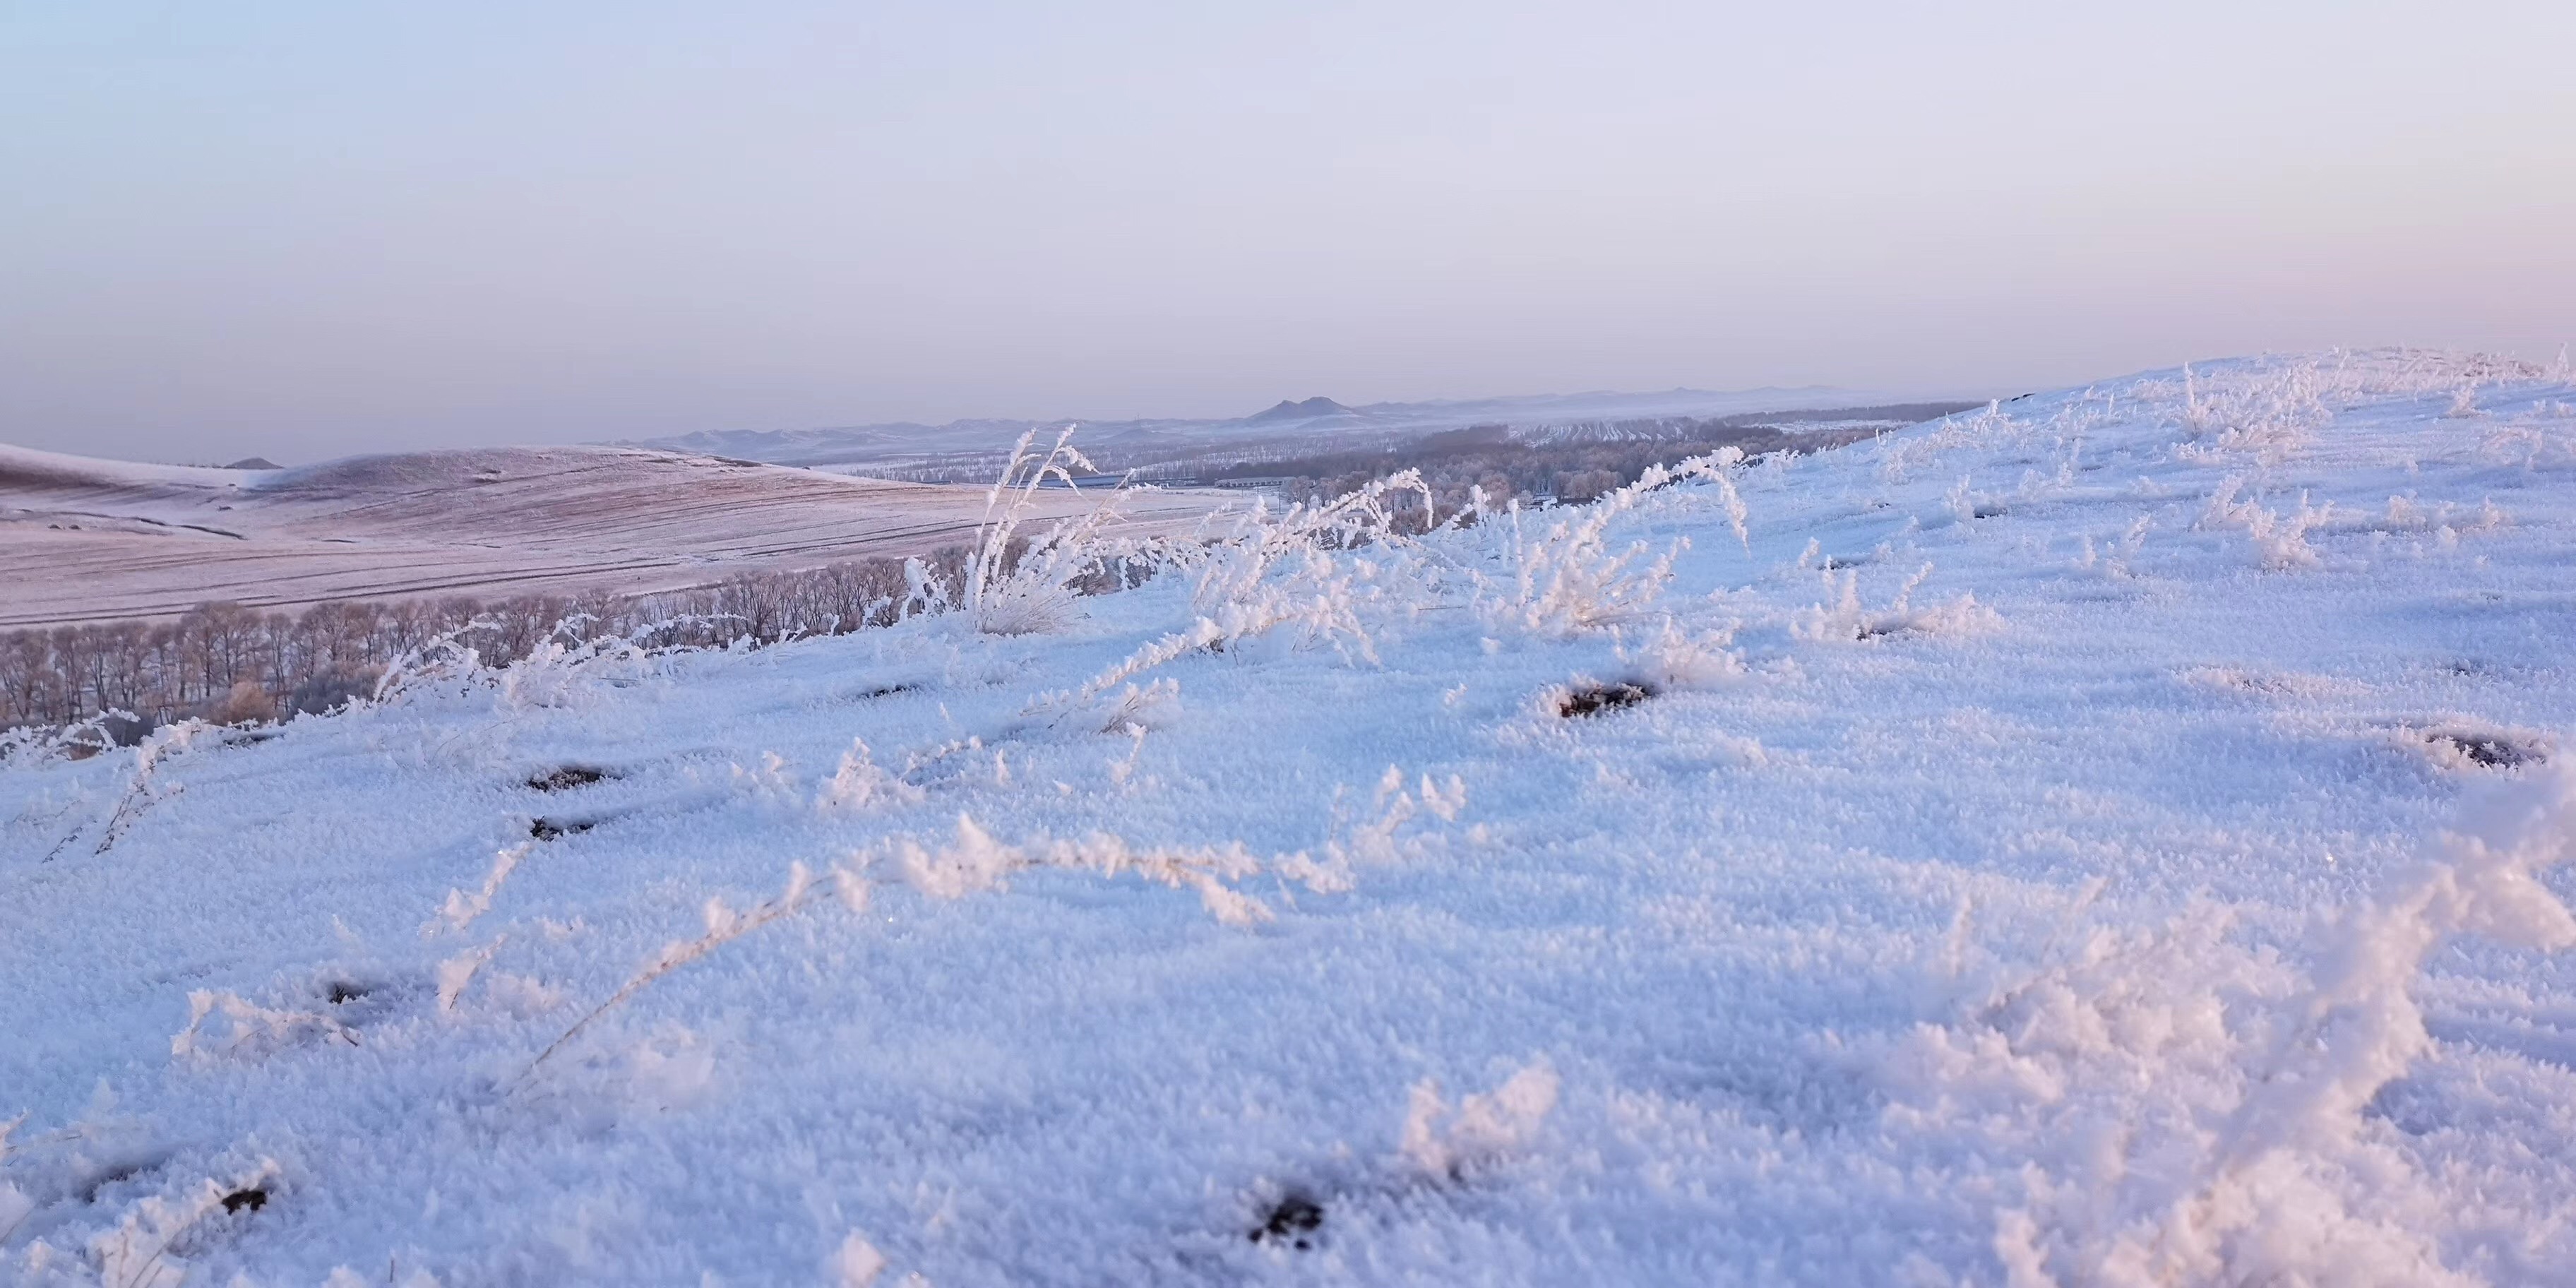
x=2105, y=840
x=83, y=540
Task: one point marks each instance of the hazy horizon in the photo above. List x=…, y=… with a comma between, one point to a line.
x=308, y=231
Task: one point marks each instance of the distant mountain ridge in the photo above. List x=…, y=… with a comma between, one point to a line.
x=1310, y=409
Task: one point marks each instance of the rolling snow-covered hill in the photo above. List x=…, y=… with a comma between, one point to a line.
x=2112, y=838
x=85, y=539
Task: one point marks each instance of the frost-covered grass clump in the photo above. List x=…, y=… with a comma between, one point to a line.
x=2116, y=836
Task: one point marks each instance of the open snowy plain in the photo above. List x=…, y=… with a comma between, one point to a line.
x=2102, y=840
x=87, y=540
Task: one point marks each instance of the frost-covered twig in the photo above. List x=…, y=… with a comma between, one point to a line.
x=970, y=862
x=143, y=786
x=724, y=925
x=251, y=1022
x=461, y=909
x=973, y=861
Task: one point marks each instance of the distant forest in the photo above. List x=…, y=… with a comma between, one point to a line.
x=240, y=665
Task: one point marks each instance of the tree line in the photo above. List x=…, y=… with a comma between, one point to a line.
x=236, y=664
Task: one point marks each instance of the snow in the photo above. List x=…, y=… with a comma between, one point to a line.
x=27, y=465
x=82, y=540
x=2167, y=886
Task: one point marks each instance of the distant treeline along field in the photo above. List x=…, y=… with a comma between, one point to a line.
x=236, y=665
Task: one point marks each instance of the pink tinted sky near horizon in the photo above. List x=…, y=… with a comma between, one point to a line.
x=305, y=230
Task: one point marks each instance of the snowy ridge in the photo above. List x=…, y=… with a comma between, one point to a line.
x=2116, y=837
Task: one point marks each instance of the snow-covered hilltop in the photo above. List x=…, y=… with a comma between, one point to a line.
x=2102, y=839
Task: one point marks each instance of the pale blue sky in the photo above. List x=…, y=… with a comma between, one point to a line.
x=309, y=229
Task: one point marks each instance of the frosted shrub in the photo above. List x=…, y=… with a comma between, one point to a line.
x=2280, y=540
x=2113, y=558
x=1307, y=573
x=1567, y=580
x=556, y=671
x=1020, y=586
x=79, y=740
x=859, y=783
x=1846, y=619
x=1989, y=427
x=1312, y=567
x=1317, y=574
x=2266, y=414
x=441, y=660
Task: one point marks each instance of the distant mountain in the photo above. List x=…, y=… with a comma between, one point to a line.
x=1311, y=409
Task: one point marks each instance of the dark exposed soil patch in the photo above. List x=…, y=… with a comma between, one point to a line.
x=1292, y=1220
x=249, y=1200
x=569, y=777
x=547, y=829
x=124, y=1170
x=1593, y=699
x=2487, y=750
x=342, y=992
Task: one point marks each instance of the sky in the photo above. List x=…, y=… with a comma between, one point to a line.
x=306, y=230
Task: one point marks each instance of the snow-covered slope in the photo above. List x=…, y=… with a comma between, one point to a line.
x=85, y=539
x=2022, y=859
